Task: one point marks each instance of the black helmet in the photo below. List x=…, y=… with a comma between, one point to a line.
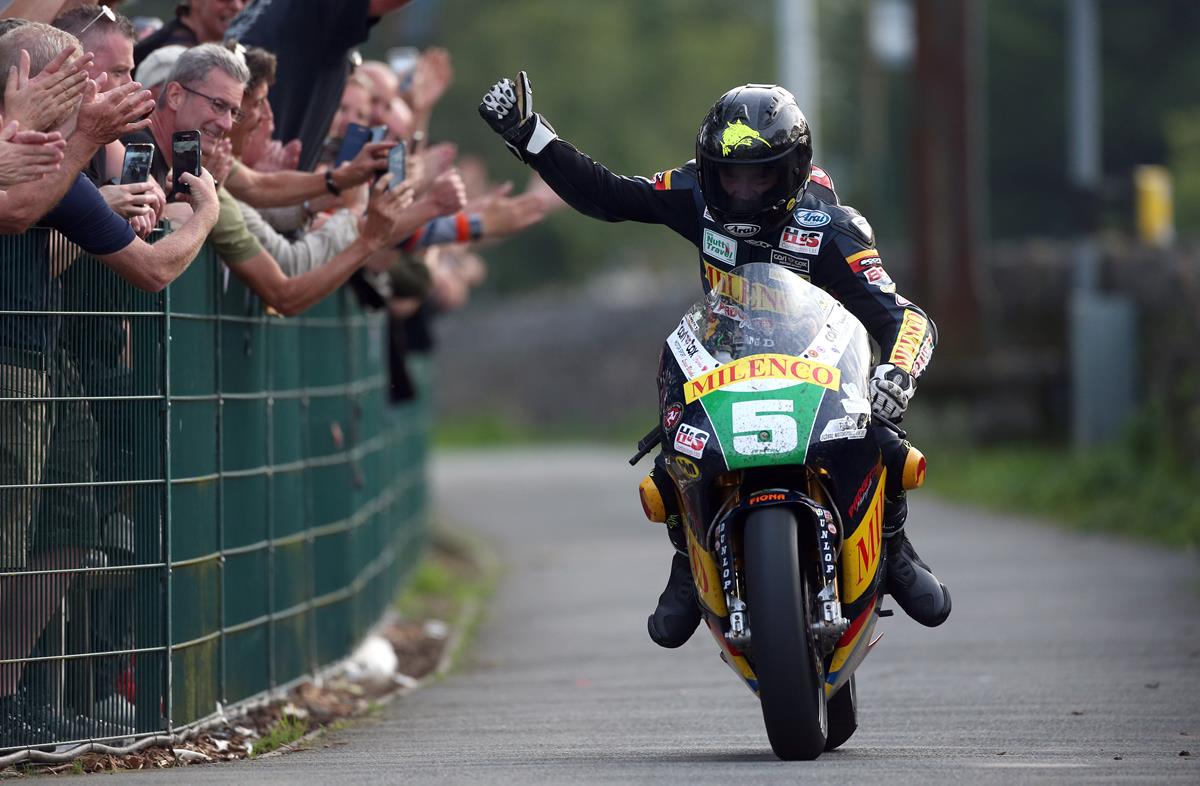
x=758, y=135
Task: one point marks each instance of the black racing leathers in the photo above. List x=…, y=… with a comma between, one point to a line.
x=829, y=244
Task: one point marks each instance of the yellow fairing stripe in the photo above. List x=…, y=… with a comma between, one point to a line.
x=706, y=576
x=860, y=553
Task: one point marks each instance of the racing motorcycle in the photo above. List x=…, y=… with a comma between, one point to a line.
x=766, y=433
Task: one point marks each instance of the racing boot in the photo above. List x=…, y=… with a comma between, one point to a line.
x=677, y=615
x=908, y=579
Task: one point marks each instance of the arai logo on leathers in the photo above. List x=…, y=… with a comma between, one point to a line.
x=742, y=230
x=811, y=218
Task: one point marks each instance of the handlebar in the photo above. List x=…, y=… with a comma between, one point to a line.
x=647, y=443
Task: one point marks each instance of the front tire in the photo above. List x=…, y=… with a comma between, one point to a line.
x=791, y=677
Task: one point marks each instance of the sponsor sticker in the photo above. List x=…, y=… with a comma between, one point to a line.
x=662, y=181
x=763, y=367
x=862, y=492
x=691, y=440
x=908, y=341
x=811, y=218
x=843, y=428
x=877, y=276
x=863, y=548
x=757, y=296
x=742, y=230
x=720, y=247
x=856, y=406
x=801, y=241
x=863, y=260
x=759, y=243
x=671, y=416
x=790, y=262
x=707, y=215
x=687, y=467
x=690, y=354
x=923, y=356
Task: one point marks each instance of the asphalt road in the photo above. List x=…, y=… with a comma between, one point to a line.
x=1068, y=658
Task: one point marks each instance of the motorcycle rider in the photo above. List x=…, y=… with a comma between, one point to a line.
x=752, y=195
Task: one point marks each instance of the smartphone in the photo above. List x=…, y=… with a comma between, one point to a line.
x=403, y=60
x=136, y=167
x=397, y=164
x=355, y=137
x=378, y=133
x=185, y=157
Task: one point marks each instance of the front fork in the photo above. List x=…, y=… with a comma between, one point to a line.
x=830, y=624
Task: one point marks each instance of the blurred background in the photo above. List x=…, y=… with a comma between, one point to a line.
x=1031, y=169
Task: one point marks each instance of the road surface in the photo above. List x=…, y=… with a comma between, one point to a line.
x=1067, y=658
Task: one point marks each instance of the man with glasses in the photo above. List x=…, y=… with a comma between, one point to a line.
x=204, y=92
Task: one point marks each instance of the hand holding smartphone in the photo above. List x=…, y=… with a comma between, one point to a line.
x=397, y=164
x=136, y=166
x=355, y=137
x=185, y=157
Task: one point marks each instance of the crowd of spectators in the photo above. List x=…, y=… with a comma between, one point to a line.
x=274, y=88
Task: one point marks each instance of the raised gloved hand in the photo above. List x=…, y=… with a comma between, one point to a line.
x=891, y=390
x=508, y=109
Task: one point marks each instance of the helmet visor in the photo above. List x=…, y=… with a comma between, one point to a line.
x=745, y=190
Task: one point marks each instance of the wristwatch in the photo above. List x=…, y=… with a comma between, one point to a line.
x=330, y=186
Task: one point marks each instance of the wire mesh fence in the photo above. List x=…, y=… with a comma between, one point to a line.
x=199, y=501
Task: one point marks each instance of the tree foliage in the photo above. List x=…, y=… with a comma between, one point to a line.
x=626, y=81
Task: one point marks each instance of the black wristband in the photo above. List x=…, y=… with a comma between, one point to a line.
x=330, y=186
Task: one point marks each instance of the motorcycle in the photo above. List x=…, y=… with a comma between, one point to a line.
x=765, y=432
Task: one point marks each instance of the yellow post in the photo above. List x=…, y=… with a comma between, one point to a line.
x=1155, y=207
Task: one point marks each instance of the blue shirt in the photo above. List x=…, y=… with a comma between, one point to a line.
x=28, y=284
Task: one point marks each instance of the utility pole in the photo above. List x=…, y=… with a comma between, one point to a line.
x=798, y=45
x=1101, y=340
x=948, y=202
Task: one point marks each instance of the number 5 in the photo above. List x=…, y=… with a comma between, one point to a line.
x=772, y=431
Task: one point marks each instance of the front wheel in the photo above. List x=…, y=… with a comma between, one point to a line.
x=791, y=677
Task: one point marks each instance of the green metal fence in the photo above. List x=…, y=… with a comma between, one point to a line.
x=211, y=501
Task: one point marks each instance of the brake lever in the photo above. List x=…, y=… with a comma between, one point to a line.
x=899, y=431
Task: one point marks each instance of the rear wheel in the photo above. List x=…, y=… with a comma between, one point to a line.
x=791, y=678
x=843, y=715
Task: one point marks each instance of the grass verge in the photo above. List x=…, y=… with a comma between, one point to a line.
x=1109, y=489
x=496, y=431
x=452, y=582
x=286, y=730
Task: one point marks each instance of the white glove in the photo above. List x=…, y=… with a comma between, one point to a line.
x=891, y=390
x=508, y=109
